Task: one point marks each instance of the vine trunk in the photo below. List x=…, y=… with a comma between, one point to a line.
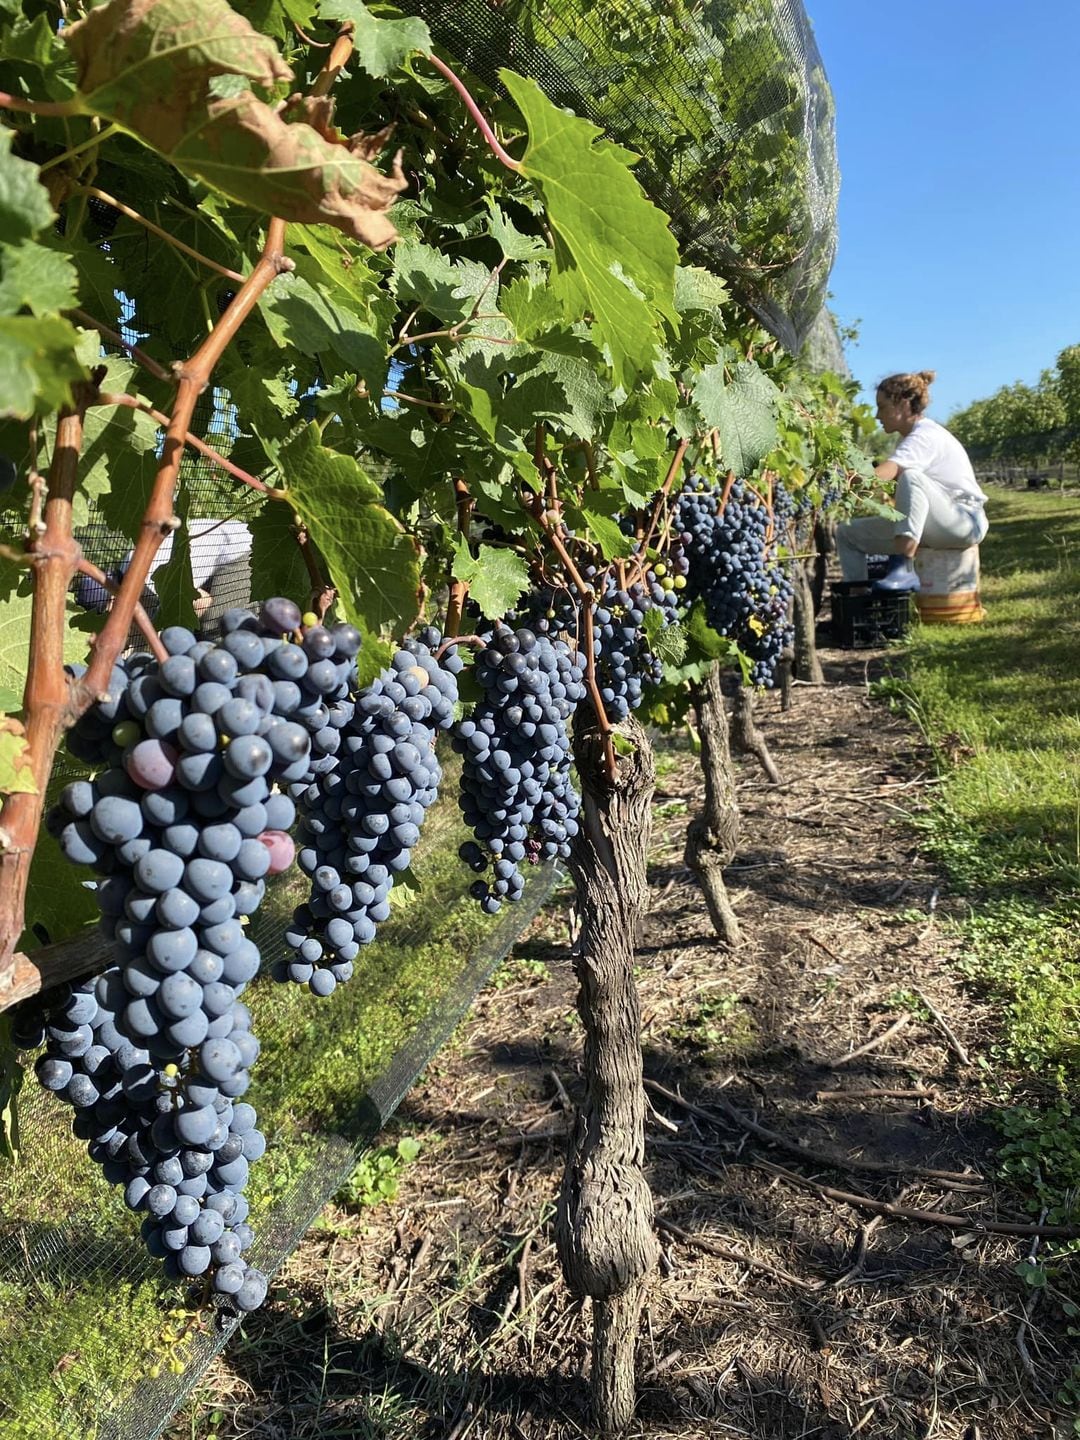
x=713, y=836
x=604, y=1223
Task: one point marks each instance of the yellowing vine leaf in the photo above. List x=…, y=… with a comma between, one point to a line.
x=245, y=150
x=16, y=772
x=133, y=54
x=149, y=66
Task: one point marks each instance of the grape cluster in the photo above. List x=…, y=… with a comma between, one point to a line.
x=516, y=794
x=361, y=814
x=734, y=569
x=184, y=821
x=623, y=657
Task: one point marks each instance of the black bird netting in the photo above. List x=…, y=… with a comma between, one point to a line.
x=726, y=102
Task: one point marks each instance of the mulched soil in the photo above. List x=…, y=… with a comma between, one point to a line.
x=777, y=1311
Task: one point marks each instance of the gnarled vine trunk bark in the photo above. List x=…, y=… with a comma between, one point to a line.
x=713, y=836
x=824, y=545
x=604, y=1222
x=807, y=666
x=747, y=737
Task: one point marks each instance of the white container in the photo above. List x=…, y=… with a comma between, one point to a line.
x=949, y=580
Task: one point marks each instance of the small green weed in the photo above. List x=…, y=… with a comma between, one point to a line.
x=520, y=970
x=378, y=1174
x=720, y=1023
x=908, y=1000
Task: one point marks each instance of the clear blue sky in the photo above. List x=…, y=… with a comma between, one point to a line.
x=958, y=132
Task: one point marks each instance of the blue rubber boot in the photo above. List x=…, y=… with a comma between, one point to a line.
x=899, y=577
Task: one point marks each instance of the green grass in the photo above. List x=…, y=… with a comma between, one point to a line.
x=1010, y=690
x=1000, y=703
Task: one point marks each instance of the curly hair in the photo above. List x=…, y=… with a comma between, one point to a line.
x=913, y=388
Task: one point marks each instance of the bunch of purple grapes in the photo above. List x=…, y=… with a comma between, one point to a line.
x=184, y=819
x=361, y=815
x=734, y=568
x=516, y=794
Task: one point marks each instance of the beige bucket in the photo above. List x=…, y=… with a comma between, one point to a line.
x=950, y=586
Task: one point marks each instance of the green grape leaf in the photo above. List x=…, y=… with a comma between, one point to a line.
x=743, y=411
x=35, y=278
x=297, y=314
x=667, y=641
x=277, y=17
x=562, y=388
x=173, y=581
x=448, y=289
x=371, y=560
x=38, y=365
x=605, y=531
x=33, y=42
x=702, y=639
x=496, y=578
x=118, y=460
x=615, y=256
x=510, y=240
x=382, y=46
x=277, y=567
x=57, y=899
x=535, y=312
x=16, y=772
x=348, y=271
x=24, y=201
x=15, y=613
x=697, y=289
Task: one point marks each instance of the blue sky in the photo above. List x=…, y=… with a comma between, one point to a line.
x=958, y=132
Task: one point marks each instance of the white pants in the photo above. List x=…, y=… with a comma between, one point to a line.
x=931, y=516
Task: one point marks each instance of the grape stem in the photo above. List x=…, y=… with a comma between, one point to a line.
x=665, y=490
x=459, y=589
x=96, y=139
x=159, y=519
x=340, y=55
x=503, y=156
x=150, y=365
x=475, y=642
x=142, y=619
x=535, y=506
x=323, y=593
x=54, y=558
x=104, y=195
x=132, y=402
x=38, y=107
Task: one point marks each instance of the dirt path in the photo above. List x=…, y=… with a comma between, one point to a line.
x=778, y=1312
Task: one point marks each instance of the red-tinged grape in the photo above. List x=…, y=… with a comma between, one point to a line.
x=282, y=850
x=151, y=764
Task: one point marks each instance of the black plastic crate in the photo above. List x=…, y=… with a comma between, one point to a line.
x=863, y=619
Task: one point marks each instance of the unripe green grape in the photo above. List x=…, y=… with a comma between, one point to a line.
x=126, y=733
x=308, y=619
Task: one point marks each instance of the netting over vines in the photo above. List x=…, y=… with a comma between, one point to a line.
x=728, y=105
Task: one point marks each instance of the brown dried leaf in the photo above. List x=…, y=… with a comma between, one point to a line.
x=133, y=53
x=247, y=151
